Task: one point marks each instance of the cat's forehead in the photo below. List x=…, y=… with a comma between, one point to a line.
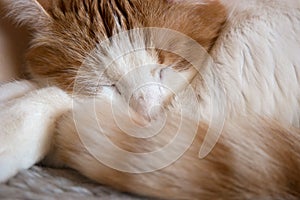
x=94, y=17
x=67, y=31
x=84, y=24
x=103, y=18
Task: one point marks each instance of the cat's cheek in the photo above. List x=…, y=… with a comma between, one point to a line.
x=109, y=91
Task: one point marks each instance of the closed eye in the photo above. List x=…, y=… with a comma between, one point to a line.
x=116, y=88
x=113, y=86
x=161, y=74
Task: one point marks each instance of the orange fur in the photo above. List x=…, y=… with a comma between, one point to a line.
x=59, y=50
x=255, y=158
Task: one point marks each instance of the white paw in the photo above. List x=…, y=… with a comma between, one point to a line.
x=27, y=125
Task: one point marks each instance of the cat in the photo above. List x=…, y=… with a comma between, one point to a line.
x=250, y=77
x=55, y=58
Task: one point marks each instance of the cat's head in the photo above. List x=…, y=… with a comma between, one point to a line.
x=142, y=50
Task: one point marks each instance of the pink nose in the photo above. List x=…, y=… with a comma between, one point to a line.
x=147, y=102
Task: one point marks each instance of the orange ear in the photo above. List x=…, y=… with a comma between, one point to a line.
x=30, y=12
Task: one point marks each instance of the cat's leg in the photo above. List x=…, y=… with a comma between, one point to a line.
x=27, y=124
x=15, y=89
x=253, y=159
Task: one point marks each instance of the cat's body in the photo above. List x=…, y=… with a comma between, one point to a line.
x=249, y=80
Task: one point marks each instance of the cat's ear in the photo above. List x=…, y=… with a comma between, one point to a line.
x=32, y=13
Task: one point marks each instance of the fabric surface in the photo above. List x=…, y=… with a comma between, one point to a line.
x=41, y=183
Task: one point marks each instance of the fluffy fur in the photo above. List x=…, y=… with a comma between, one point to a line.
x=250, y=79
x=70, y=30
x=28, y=120
x=254, y=158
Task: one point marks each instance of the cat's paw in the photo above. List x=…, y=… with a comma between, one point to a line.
x=16, y=89
x=27, y=125
x=9, y=165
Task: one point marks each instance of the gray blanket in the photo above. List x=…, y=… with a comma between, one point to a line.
x=44, y=183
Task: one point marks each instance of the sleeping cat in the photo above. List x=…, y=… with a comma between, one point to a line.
x=203, y=63
x=69, y=37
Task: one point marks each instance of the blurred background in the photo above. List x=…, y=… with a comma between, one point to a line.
x=13, y=42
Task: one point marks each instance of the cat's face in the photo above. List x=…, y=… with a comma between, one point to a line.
x=100, y=45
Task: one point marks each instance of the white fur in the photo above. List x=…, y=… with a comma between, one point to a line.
x=257, y=59
x=13, y=90
x=256, y=62
x=27, y=124
x=128, y=63
x=255, y=66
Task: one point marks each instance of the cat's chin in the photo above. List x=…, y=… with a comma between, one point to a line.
x=152, y=114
